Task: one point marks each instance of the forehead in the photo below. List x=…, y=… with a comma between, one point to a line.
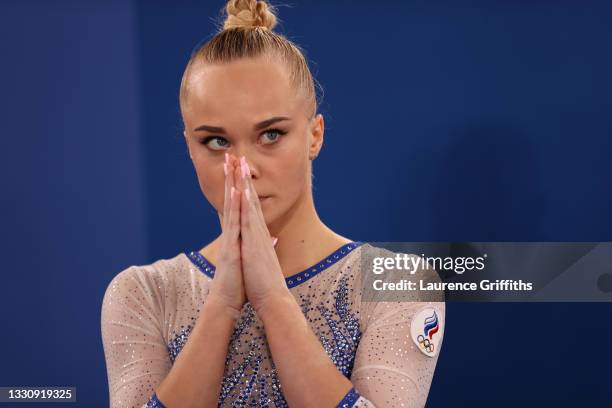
x=250, y=89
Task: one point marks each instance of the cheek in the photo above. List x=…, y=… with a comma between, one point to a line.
x=299, y=174
x=293, y=173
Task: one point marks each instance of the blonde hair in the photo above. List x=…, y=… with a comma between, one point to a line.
x=247, y=33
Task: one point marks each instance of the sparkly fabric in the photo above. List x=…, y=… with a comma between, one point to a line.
x=149, y=311
x=349, y=399
x=154, y=402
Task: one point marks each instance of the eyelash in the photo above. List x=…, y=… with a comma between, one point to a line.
x=280, y=133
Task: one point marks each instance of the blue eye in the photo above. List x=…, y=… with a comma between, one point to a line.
x=220, y=144
x=277, y=135
x=269, y=137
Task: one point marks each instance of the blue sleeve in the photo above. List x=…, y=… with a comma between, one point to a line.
x=349, y=399
x=154, y=402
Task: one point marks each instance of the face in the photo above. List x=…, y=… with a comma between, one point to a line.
x=249, y=107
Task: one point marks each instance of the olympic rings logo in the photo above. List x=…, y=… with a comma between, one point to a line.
x=425, y=343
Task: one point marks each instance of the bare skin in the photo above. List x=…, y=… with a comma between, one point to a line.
x=195, y=377
x=281, y=169
x=257, y=166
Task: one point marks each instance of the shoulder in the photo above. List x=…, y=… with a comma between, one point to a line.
x=392, y=265
x=399, y=300
x=149, y=281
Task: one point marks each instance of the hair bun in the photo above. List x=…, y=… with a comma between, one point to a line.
x=249, y=13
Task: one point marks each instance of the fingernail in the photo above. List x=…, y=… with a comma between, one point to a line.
x=226, y=158
x=232, y=192
x=225, y=168
x=274, y=241
x=243, y=167
x=247, y=193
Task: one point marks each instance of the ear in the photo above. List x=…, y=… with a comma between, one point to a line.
x=317, y=130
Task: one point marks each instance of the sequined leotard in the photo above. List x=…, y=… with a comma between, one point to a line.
x=148, y=312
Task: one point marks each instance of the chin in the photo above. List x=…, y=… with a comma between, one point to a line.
x=269, y=209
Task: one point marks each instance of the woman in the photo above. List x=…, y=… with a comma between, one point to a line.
x=271, y=313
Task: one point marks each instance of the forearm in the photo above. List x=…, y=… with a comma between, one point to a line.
x=195, y=378
x=308, y=376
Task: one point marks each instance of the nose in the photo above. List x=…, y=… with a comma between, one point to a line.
x=238, y=154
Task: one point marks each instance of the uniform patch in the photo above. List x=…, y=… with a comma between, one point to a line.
x=426, y=331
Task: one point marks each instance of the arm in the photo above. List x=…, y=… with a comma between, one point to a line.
x=195, y=378
x=139, y=369
x=390, y=368
x=308, y=376
x=137, y=358
x=135, y=353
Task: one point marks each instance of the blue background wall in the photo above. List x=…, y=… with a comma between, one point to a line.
x=443, y=122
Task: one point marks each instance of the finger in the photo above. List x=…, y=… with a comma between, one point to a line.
x=245, y=203
x=248, y=181
x=228, y=182
x=235, y=165
x=254, y=201
x=234, y=217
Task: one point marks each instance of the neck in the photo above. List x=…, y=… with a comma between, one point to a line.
x=303, y=239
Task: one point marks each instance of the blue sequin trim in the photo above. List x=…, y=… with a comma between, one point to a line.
x=349, y=399
x=154, y=402
x=202, y=263
x=209, y=269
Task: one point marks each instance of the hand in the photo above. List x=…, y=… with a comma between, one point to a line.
x=227, y=284
x=263, y=277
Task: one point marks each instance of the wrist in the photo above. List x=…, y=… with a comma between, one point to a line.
x=271, y=304
x=222, y=306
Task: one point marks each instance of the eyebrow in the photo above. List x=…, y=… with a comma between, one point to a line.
x=258, y=126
